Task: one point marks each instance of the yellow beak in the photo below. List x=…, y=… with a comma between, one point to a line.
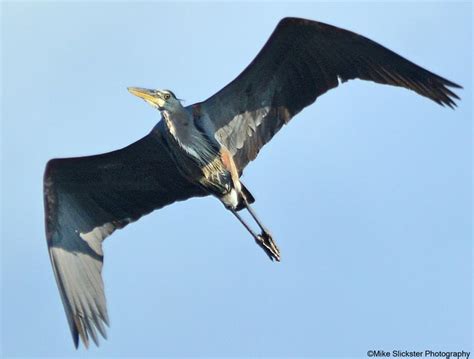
x=153, y=97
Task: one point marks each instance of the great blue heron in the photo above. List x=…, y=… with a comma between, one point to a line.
x=201, y=150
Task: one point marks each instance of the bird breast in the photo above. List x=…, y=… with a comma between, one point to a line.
x=189, y=138
x=207, y=155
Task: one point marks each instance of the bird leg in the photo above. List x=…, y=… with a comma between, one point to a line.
x=264, y=240
x=265, y=231
x=265, y=236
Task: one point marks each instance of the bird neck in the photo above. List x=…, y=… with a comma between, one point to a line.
x=181, y=126
x=179, y=123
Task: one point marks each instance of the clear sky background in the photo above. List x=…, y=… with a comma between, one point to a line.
x=367, y=192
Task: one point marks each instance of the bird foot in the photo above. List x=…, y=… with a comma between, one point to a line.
x=267, y=243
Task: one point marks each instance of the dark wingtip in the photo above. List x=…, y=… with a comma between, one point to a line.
x=438, y=89
x=453, y=84
x=75, y=338
x=450, y=95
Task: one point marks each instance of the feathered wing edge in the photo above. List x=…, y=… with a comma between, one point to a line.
x=302, y=60
x=86, y=200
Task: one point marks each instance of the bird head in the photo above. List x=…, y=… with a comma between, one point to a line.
x=163, y=100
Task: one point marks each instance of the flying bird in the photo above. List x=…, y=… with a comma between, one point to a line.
x=202, y=150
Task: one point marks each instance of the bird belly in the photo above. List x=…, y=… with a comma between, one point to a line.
x=207, y=163
x=221, y=176
x=231, y=199
x=216, y=178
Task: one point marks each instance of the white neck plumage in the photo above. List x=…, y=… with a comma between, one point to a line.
x=181, y=126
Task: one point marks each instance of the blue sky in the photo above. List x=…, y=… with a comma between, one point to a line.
x=367, y=192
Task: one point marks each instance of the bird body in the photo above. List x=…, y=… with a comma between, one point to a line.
x=197, y=153
x=202, y=150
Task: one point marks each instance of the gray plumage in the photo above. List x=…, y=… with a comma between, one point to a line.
x=88, y=198
x=302, y=60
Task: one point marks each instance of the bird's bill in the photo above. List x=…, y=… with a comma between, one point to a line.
x=153, y=97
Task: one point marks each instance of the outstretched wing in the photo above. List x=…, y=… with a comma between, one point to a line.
x=86, y=199
x=301, y=60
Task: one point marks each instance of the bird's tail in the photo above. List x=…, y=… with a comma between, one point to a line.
x=248, y=196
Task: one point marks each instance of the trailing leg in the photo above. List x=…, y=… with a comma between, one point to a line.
x=264, y=240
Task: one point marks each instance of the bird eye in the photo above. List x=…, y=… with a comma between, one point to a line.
x=166, y=96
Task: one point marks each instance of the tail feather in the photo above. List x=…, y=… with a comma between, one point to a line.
x=244, y=196
x=248, y=196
